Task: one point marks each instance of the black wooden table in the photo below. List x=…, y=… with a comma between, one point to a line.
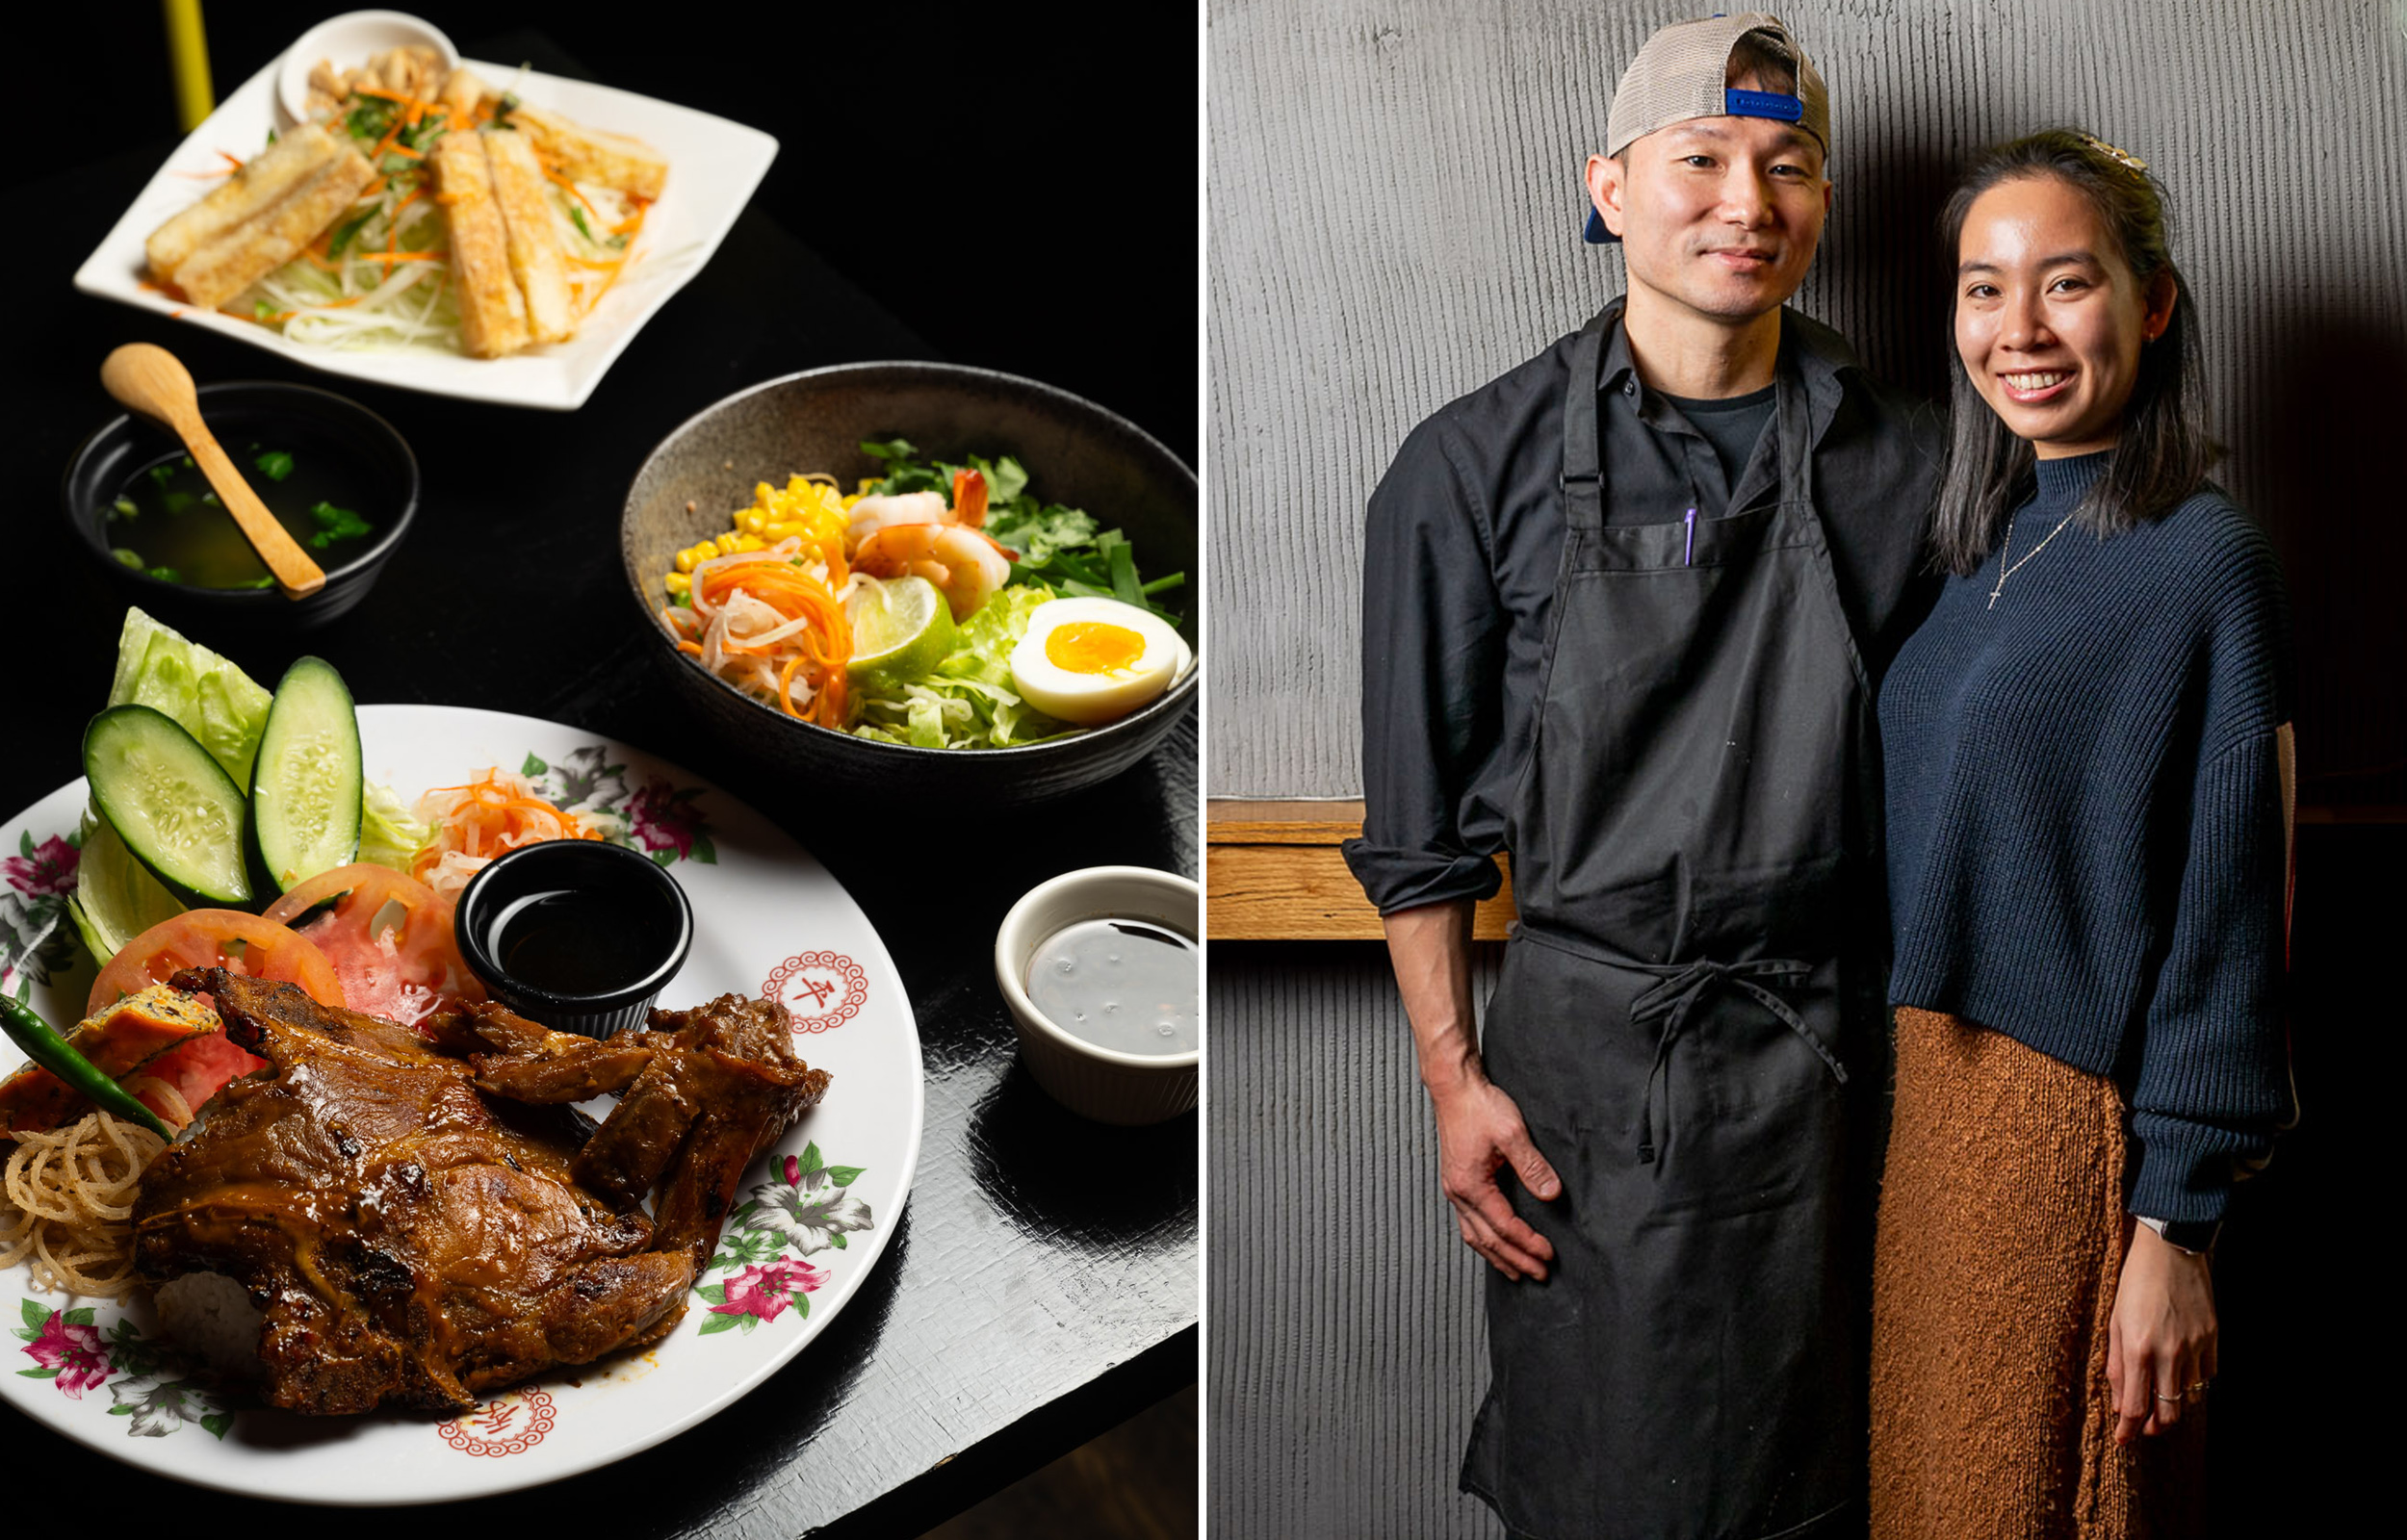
x=1042, y=1283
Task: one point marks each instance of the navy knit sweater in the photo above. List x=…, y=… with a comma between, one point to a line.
x=2085, y=833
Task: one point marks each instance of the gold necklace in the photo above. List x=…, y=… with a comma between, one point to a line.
x=2004, y=570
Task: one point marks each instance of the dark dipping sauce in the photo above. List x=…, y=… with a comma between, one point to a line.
x=576, y=941
x=167, y=520
x=1125, y=984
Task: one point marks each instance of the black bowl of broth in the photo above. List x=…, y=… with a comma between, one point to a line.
x=335, y=475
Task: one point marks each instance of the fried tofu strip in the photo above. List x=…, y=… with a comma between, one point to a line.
x=492, y=313
x=535, y=243
x=613, y=160
x=249, y=191
x=232, y=262
x=463, y=90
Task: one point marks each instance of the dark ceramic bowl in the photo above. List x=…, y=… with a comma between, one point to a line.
x=238, y=413
x=575, y=933
x=1075, y=452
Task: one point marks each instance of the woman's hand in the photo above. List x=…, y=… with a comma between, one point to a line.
x=2161, y=1348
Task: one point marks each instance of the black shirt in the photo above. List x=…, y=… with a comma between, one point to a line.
x=1465, y=537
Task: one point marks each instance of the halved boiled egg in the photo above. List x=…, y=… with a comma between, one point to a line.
x=1095, y=660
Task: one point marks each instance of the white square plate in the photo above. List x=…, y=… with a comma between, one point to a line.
x=714, y=165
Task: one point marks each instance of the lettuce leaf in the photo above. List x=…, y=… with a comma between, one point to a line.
x=214, y=702
x=114, y=899
x=388, y=835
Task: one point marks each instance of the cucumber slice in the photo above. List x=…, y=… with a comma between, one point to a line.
x=307, y=785
x=173, y=805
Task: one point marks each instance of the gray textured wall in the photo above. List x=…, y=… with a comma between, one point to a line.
x=1394, y=194
x=1346, y=1346
x=1393, y=203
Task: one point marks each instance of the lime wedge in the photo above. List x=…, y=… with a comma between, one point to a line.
x=902, y=630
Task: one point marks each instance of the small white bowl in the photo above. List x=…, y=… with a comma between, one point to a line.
x=1094, y=1082
x=348, y=39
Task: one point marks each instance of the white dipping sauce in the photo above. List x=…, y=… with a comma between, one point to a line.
x=1125, y=984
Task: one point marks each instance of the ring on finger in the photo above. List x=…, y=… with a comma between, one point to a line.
x=2175, y=1400
x=2197, y=1388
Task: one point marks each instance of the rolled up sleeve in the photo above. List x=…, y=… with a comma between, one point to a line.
x=1433, y=661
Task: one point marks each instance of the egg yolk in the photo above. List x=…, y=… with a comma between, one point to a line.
x=1093, y=647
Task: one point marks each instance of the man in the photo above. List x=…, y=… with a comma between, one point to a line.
x=1624, y=609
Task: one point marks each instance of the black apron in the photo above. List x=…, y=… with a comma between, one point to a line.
x=1690, y=1017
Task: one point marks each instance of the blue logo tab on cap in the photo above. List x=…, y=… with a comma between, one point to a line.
x=1764, y=104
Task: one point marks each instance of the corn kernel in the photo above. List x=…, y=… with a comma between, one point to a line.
x=752, y=521
x=686, y=560
x=678, y=582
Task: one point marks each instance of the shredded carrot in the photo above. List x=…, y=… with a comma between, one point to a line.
x=402, y=256
x=820, y=650
x=495, y=813
x=554, y=176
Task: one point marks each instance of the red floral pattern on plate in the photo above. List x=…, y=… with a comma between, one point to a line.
x=823, y=990
x=512, y=1422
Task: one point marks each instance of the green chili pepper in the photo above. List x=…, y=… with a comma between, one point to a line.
x=42, y=1044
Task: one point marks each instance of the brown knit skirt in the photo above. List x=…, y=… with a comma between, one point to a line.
x=2002, y=1236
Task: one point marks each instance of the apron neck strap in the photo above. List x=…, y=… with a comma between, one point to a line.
x=1581, y=483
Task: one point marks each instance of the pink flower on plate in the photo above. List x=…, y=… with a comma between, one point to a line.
x=659, y=822
x=46, y=868
x=766, y=1289
x=75, y=1351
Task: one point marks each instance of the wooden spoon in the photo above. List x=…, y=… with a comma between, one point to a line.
x=151, y=381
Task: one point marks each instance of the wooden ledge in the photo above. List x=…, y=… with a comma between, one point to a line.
x=1273, y=873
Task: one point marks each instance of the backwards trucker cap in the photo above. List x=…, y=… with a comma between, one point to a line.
x=1680, y=74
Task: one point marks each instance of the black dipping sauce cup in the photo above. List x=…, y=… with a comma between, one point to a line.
x=577, y=934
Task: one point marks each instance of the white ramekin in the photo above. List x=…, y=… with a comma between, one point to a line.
x=1103, y=1083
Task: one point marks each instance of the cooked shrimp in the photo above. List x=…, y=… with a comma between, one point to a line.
x=870, y=515
x=964, y=566
x=969, y=499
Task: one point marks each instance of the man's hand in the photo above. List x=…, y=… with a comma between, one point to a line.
x=2160, y=1349
x=1478, y=1133
x=1479, y=1129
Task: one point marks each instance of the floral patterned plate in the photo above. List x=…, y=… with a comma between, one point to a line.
x=816, y=1214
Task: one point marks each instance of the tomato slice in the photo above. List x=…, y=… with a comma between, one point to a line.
x=198, y=1069
x=388, y=937
x=216, y=938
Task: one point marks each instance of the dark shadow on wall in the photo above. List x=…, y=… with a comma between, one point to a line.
x=2289, y=1449
x=2332, y=482
x=1881, y=262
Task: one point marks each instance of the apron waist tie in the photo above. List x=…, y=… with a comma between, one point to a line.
x=1678, y=990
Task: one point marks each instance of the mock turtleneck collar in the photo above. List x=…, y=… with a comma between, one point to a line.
x=2065, y=482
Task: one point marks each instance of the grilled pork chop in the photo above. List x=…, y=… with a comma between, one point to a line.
x=418, y=1236
x=706, y=1092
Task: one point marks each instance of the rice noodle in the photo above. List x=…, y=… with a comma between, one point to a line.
x=68, y=1200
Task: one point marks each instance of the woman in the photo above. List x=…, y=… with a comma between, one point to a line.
x=2086, y=753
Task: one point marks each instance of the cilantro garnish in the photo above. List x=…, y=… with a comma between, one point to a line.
x=335, y=523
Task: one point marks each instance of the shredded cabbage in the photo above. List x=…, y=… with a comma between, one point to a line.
x=967, y=700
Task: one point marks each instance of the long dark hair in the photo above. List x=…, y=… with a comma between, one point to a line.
x=2163, y=453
